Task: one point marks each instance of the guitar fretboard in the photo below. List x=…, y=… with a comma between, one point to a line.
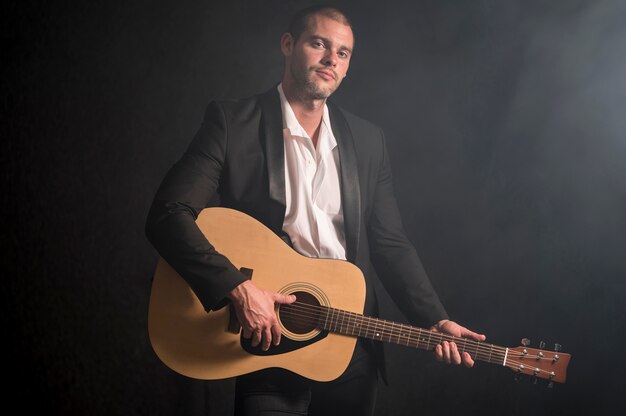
x=353, y=324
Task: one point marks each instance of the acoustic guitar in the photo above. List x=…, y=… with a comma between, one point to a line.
x=319, y=330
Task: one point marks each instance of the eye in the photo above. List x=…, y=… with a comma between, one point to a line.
x=318, y=44
x=343, y=54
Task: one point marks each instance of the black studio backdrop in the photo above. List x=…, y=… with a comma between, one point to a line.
x=505, y=124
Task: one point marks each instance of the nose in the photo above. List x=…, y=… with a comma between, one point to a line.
x=330, y=58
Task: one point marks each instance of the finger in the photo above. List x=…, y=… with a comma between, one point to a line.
x=247, y=333
x=284, y=299
x=466, y=333
x=256, y=338
x=455, y=357
x=276, y=333
x=445, y=346
x=467, y=360
x=476, y=336
x=267, y=339
x=439, y=352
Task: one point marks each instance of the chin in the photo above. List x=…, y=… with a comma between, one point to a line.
x=320, y=95
x=316, y=93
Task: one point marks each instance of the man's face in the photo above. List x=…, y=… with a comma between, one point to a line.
x=319, y=60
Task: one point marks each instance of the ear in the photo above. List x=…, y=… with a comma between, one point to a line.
x=286, y=44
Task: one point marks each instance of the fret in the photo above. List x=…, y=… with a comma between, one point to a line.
x=401, y=333
x=372, y=328
x=408, y=338
x=329, y=320
x=420, y=340
x=363, y=327
x=333, y=320
x=416, y=337
x=337, y=323
x=327, y=323
x=383, y=328
x=340, y=316
x=354, y=323
x=400, y=329
x=426, y=341
x=341, y=329
x=350, y=325
x=376, y=329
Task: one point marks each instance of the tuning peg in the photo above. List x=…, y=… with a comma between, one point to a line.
x=525, y=342
x=542, y=345
x=550, y=384
x=534, y=379
x=557, y=347
x=516, y=376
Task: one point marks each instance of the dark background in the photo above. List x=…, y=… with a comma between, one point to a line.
x=505, y=122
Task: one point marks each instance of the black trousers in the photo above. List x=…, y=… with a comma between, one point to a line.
x=278, y=392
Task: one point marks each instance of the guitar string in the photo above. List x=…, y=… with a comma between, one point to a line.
x=513, y=364
x=510, y=363
x=396, y=330
x=526, y=366
x=403, y=333
x=483, y=354
x=394, y=325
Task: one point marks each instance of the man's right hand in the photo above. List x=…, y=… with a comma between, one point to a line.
x=255, y=311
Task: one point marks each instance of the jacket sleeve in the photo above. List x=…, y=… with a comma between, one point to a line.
x=394, y=257
x=188, y=188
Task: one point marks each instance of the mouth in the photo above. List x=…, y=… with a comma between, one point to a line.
x=326, y=74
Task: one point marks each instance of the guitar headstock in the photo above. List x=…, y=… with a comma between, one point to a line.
x=540, y=363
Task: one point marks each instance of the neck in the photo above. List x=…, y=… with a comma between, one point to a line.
x=308, y=112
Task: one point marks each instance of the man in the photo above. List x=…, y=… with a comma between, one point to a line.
x=316, y=175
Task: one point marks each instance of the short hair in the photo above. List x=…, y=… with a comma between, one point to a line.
x=300, y=21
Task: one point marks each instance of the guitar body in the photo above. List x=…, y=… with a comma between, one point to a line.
x=198, y=344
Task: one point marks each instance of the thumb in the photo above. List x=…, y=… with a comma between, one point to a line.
x=283, y=299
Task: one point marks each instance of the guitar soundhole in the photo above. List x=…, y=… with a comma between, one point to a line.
x=302, y=316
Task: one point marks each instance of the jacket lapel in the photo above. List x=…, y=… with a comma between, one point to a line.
x=272, y=127
x=350, y=191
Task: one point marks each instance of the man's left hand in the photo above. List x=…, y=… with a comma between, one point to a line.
x=447, y=351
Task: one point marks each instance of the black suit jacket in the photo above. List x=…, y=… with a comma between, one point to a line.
x=236, y=160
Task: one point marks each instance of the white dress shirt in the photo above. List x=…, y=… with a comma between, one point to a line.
x=314, y=215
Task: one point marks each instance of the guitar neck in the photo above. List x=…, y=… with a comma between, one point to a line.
x=356, y=325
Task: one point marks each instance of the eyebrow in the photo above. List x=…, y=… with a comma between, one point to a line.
x=326, y=40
